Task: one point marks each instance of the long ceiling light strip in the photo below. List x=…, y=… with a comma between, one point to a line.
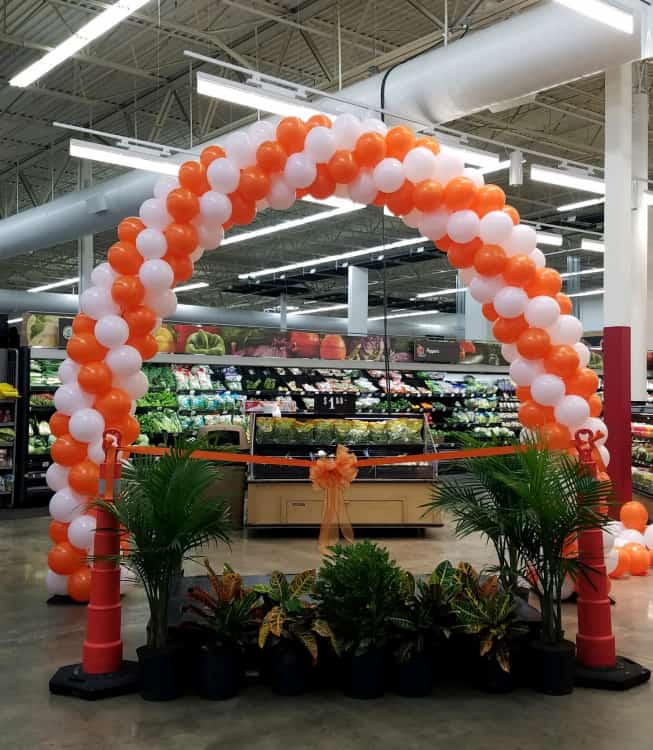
x=190, y=287
x=314, y=310
x=590, y=293
x=415, y=314
x=498, y=167
x=586, y=272
x=580, y=204
x=55, y=285
x=486, y=160
x=602, y=12
x=442, y=293
x=123, y=157
x=95, y=28
x=575, y=180
x=592, y=246
x=548, y=238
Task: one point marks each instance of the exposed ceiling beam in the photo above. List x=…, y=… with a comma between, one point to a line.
x=419, y=7
x=315, y=51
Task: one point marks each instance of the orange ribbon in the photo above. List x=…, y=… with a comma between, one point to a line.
x=333, y=476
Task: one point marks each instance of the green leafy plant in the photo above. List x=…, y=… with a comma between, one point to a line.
x=163, y=509
x=228, y=610
x=358, y=589
x=290, y=615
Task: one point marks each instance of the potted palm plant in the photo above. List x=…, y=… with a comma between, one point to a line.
x=163, y=510
x=227, y=612
x=358, y=590
x=289, y=632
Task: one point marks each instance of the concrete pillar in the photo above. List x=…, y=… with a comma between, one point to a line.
x=85, y=253
x=357, y=287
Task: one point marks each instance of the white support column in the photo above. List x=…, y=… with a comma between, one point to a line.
x=477, y=327
x=283, y=312
x=357, y=287
x=85, y=252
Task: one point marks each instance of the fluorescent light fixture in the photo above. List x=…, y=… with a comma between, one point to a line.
x=190, y=287
x=475, y=157
x=602, y=12
x=15, y=320
x=271, y=99
x=55, y=285
x=327, y=308
x=498, y=167
x=581, y=204
x=576, y=180
x=95, y=28
x=332, y=258
x=414, y=314
x=592, y=246
x=442, y=292
x=648, y=197
x=547, y=238
x=586, y=272
x=122, y=157
x=334, y=201
x=591, y=293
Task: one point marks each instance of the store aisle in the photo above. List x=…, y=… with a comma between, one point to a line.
x=35, y=639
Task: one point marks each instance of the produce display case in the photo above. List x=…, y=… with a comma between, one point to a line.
x=9, y=445
x=642, y=447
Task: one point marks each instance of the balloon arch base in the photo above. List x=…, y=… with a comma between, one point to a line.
x=72, y=681
x=625, y=674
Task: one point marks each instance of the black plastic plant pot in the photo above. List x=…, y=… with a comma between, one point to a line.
x=287, y=667
x=160, y=678
x=553, y=667
x=492, y=678
x=366, y=675
x=219, y=672
x=415, y=676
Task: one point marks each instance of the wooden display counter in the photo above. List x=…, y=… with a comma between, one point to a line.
x=376, y=502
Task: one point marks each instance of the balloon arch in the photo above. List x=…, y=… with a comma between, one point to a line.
x=272, y=166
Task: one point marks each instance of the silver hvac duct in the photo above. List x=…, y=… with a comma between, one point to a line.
x=534, y=50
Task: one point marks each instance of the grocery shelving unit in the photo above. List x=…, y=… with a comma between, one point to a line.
x=642, y=447
x=8, y=437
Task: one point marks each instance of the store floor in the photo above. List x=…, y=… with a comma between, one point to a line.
x=35, y=639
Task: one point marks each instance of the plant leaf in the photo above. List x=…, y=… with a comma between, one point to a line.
x=323, y=629
x=263, y=633
x=302, y=583
x=310, y=643
x=275, y=620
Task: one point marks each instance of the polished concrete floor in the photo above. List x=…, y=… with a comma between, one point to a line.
x=35, y=639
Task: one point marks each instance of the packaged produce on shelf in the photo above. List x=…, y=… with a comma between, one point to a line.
x=642, y=454
x=44, y=372
x=642, y=429
x=160, y=376
x=165, y=420
x=643, y=480
x=6, y=483
x=6, y=415
x=158, y=399
x=7, y=435
x=42, y=400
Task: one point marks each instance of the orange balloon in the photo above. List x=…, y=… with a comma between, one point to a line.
x=254, y=183
x=291, y=134
x=84, y=478
x=462, y=255
x=129, y=229
x=399, y=141
x=513, y=213
x=490, y=260
x=342, y=167
x=64, y=559
x=243, y=211
x=508, y=330
x=181, y=239
x=570, y=547
x=370, y=149
x=182, y=203
x=83, y=324
x=444, y=243
x=210, y=154
x=79, y=584
x=401, y=201
x=124, y=258
x=489, y=312
x=58, y=531
x=84, y=348
x=566, y=306
x=67, y=451
x=147, y=346
x=318, y=120
x=460, y=194
x=623, y=564
x=428, y=195
x=182, y=267
x=489, y=198
x=113, y=405
x=562, y=360
x=639, y=559
x=634, y=515
x=596, y=405
x=95, y=377
x=426, y=141
x=379, y=200
x=556, y=437
x=323, y=185
x=519, y=270
x=59, y=424
x=533, y=415
x=192, y=177
x=523, y=393
x=534, y=343
x=140, y=319
x=127, y=426
x=271, y=157
x=650, y=558
x=584, y=382
x=547, y=282
x=227, y=225
x=127, y=291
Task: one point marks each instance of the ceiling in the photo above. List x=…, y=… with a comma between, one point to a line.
x=135, y=81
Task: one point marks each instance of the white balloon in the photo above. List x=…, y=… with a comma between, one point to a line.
x=299, y=171
x=572, y=411
x=419, y=164
x=363, y=188
x=611, y=560
x=124, y=360
x=281, y=195
x=510, y=301
x=136, y=386
x=209, y=237
x=197, y=254
x=96, y=302
x=374, y=125
x=86, y=425
x=522, y=240
x=223, y=175
x=413, y=218
x=448, y=165
x=566, y=330
x=164, y=303
x=475, y=175
x=68, y=371
x=629, y=536
x=151, y=243
x=240, y=149
x=484, y=288
x=164, y=185
x=463, y=226
x=153, y=213
x=605, y=454
x=388, y=175
x=103, y=276
x=215, y=207
x=547, y=389
x=542, y=312
x=320, y=144
x=111, y=330
x=509, y=352
x=496, y=228
x=346, y=130
x=261, y=131
x=608, y=541
x=524, y=371
x=56, y=477
x=56, y=584
x=615, y=528
x=568, y=587
x=69, y=398
x=262, y=205
x=81, y=532
x=583, y=354
x=156, y=275
x=648, y=537
x=594, y=424
x=96, y=452
x=66, y=505
x=537, y=256
x=467, y=274
x=434, y=224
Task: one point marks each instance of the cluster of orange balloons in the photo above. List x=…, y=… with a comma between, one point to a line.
x=630, y=542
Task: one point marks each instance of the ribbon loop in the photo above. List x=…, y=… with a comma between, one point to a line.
x=333, y=475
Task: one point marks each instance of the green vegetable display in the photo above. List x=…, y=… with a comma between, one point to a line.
x=202, y=342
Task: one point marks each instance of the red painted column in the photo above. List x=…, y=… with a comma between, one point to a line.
x=103, y=645
x=616, y=394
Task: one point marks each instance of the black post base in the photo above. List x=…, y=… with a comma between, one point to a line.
x=625, y=674
x=71, y=680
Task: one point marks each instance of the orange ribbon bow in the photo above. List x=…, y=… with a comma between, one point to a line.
x=333, y=476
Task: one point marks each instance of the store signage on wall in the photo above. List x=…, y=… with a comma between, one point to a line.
x=444, y=352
